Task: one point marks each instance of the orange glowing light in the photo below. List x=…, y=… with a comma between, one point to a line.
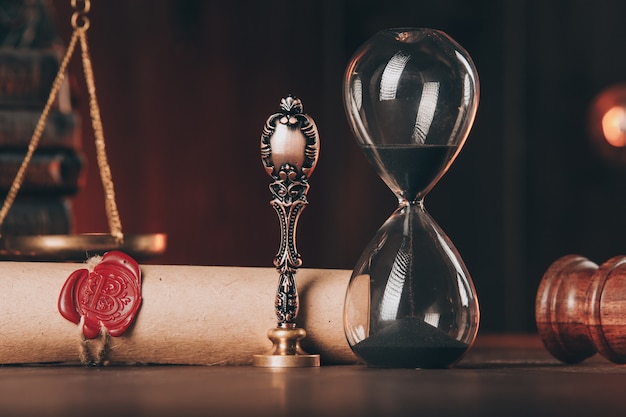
x=614, y=126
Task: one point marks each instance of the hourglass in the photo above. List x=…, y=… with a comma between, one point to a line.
x=411, y=96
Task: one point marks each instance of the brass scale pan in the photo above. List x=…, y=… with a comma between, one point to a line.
x=79, y=247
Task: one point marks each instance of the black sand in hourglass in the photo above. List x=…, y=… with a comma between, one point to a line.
x=410, y=343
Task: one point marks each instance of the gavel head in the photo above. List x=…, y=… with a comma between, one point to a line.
x=581, y=308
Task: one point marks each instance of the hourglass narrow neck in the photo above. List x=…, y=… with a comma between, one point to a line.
x=405, y=202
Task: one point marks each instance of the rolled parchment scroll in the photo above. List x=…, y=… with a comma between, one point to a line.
x=202, y=315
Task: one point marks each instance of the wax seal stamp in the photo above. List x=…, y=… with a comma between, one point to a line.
x=105, y=299
x=289, y=151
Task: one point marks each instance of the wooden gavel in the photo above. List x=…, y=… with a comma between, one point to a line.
x=580, y=309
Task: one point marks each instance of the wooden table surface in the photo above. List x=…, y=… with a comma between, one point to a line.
x=502, y=375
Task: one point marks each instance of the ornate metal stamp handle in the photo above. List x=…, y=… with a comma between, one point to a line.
x=289, y=151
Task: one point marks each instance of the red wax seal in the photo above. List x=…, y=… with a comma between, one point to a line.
x=109, y=296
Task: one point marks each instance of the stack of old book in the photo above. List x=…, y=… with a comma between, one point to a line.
x=29, y=60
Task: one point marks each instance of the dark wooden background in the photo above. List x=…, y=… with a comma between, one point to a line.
x=186, y=85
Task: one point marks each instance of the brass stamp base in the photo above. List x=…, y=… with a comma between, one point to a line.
x=286, y=352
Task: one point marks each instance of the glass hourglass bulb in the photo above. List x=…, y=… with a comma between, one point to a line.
x=411, y=96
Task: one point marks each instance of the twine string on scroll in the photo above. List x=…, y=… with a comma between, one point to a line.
x=93, y=351
x=80, y=23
